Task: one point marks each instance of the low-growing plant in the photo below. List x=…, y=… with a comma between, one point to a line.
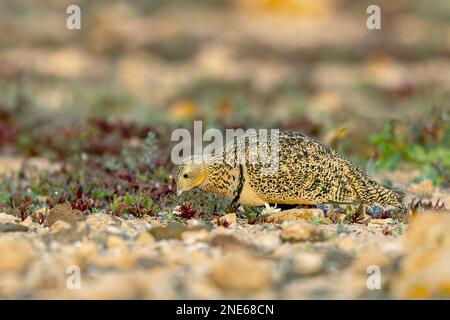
x=424, y=145
x=252, y=215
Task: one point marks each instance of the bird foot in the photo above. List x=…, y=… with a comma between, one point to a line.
x=232, y=208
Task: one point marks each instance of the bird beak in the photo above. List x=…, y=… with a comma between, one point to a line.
x=179, y=192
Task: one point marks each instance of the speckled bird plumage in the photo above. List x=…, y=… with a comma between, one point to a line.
x=309, y=172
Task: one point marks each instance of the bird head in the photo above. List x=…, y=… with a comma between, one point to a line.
x=191, y=173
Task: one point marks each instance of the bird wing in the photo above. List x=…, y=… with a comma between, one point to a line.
x=308, y=172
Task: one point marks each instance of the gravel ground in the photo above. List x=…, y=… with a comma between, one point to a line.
x=154, y=258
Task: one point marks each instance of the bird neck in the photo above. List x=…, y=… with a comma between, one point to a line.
x=221, y=180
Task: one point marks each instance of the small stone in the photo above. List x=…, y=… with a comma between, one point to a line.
x=28, y=222
x=302, y=231
x=336, y=260
x=227, y=219
x=99, y=221
x=348, y=244
x=116, y=242
x=43, y=274
x=196, y=236
x=78, y=232
x=8, y=218
x=85, y=250
x=145, y=239
x=424, y=271
x=242, y=272
x=13, y=227
x=65, y=213
x=193, y=223
x=308, y=263
x=171, y=231
x=114, y=230
x=226, y=241
x=381, y=221
x=15, y=254
x=59, y=226
x=295, y=215
x=110, y=286
x=267, y=242
x=10, y=284
x=118, y=258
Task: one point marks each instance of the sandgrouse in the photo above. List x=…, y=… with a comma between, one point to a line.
x=305, y=172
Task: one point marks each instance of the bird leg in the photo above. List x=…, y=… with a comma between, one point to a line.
x=233, y=207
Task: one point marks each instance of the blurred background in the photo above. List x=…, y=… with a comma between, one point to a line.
x=86, y=118
x=379, y=96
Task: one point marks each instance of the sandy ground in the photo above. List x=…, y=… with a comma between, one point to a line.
x=104, y=257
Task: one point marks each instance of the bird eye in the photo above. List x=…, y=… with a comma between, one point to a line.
x=185, y=175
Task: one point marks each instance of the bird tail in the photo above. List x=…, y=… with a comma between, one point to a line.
x=371, y=192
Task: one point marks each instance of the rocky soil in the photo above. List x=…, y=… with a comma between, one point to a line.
x=154, y=258
x=86, y=119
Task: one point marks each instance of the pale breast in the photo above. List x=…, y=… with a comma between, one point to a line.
x=248, y=196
